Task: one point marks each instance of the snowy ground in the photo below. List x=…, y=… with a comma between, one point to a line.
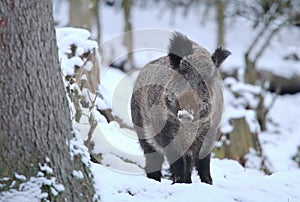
x=232, y=182
x=282, y=138
x=118, y=180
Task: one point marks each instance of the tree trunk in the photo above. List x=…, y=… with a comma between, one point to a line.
x=81, y=14
x=128, y=41
x=35, y=127
x=250, y=73
x=220, y=22
x=240, y=140
x=98, y=22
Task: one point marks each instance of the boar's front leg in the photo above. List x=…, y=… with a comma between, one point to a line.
x=154, y=161
x=180, y=168
x=203, y=168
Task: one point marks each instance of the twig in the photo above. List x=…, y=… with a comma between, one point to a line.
x=272, y=102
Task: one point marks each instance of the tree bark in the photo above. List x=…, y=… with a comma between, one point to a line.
x=35, y=125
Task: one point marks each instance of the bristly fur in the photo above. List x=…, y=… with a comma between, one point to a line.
x=179, y=47
x=219, y=56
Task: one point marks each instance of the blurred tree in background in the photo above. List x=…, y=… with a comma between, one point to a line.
x=85, y=14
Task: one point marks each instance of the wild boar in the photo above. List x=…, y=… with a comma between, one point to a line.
x=176, y=109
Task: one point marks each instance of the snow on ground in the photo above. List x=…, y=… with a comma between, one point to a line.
x=282, y=137
x=232, y=182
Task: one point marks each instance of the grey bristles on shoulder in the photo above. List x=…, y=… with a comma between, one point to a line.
x=219, y=56
x=179, y=47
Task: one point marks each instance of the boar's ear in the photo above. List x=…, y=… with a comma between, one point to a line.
x=179, y=47
x=219, y=56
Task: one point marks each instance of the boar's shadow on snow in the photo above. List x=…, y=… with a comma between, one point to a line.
x=176, y=109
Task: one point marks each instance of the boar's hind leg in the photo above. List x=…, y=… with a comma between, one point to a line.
x=154, y=161
x=203, y=168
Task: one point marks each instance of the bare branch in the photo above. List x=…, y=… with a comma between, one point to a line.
x=267, y=41
x=259, y=34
